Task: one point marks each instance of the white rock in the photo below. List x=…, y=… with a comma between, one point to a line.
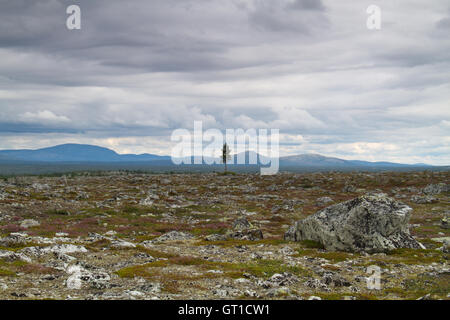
x=28, y=223
x=122, y=244
x=135, y=293
x=65, y=248
x=74, y=280
x=61, y=234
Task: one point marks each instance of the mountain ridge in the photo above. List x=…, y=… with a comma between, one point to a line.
x=72, y=152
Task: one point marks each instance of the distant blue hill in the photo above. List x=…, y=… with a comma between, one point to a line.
x=316, y=160
x=75, y=153
x=82, y=153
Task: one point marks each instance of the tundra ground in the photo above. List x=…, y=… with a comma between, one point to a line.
x=85, y=236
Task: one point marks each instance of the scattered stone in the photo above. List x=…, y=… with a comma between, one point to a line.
x=29, y=223
x=335, y=280
x=316, y=284
x=348, y=188
x=278, y=292
x=224, y=291
x=146, y=202
x=64, y=248
x=121, y=244
x=13, y=256
x=323, y=201
x=425, y=297
x=446, y=246
x=445, y=223
x=242, y=224
x=151, y=287
x=287, y=251
x=249, y=234
x=174, y=236
x=61, y=234
x=79, y=275
x=423, y=199
x=244, y=230
x=64, y=257
x=13, y=240
x=283, y=279
x=442, y=239
x=216, y=237
x=433, y=189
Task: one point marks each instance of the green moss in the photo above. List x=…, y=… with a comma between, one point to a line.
x=132, y=209
x=155, y=253
x=134, y=271
x=261, y=268
x=19, y=246
x=416, y=256
x=6, y=273
x=40, y=197
x=311, y=244
x=430, y=243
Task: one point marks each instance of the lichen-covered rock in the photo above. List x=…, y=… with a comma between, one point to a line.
x=370, y=223
x=323, y=201
x=78, y=276
x=65, y=248
x=14, y=239
x=248, y=234
x=244, y=230
x=436, y=188
x=29, y=223
x=13, y=256
x=241, y=224
x=216, y=237
x=446, y=246
x=349, y=188
x=423, y=199
x=445, y=223
x=174, y=236
x=121, y=244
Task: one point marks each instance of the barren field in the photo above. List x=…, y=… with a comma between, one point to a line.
x=163, y=236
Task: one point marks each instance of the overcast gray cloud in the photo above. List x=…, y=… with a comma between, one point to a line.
x=139, y=69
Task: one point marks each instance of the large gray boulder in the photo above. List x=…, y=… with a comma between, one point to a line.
x=370, y=223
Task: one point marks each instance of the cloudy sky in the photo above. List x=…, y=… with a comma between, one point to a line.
x=139, y=69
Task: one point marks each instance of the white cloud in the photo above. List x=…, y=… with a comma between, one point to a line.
x=43, y=117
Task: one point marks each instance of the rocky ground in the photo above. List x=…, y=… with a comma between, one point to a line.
x=210, y=236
